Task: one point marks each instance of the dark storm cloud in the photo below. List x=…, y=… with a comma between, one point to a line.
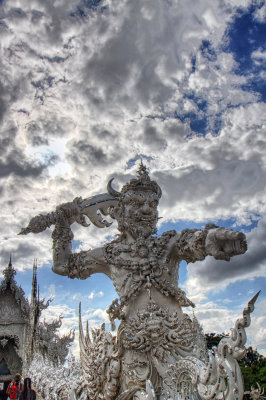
x=15, y=13
x=84, y=153
x=112, y=66
x=3, y=103
x=38, y=140
x=14, y=162
x=129, y=51
x=19, y=251
x=36, y=16
x=41, y=131
x=12, y=88
x=13, y=166
x=7, y=140
x=153, y=138
x=22, y=250
x=151, y=89
x=227, y=179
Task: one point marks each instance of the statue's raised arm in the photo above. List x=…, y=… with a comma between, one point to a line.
x=84, y=263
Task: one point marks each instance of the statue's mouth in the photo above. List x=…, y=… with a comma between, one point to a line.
x=140, y=218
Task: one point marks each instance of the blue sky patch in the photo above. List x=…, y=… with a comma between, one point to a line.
x=238, y=293
x=137, y=159
x=208, y=51
x=244, y=36
x=226, y=223
x=86, y=6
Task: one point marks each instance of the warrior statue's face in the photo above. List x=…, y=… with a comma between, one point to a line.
x=138, y=213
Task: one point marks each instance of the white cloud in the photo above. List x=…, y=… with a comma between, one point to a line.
x=91, y=295
x=260, y=13
x=101, y=314
x=216, y=318
x=210, y=19
x=259, y=54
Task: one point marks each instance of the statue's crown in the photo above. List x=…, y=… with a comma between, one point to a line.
x=142, y=182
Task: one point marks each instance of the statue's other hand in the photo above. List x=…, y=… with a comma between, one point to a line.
x=223, y=243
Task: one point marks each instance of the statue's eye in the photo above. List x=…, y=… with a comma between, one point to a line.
x=127, y=200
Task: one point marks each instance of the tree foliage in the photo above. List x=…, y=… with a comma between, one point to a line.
x=253, y=365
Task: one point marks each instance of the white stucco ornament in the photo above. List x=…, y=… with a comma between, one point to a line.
x=159, y=351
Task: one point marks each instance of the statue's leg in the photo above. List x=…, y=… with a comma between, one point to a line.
x=135, y=371
x=140, y=379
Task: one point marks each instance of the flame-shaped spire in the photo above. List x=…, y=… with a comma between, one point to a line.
x=34, y=282
x=9, y=272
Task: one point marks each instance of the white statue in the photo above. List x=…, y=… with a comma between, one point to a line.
x=155, y=339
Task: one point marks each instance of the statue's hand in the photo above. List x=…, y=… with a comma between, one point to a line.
x=37, y=224
x=74, y=211
x=71, y=212
x=65, y=213
x=223, y=243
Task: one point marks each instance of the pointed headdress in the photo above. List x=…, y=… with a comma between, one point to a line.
x=142, y=182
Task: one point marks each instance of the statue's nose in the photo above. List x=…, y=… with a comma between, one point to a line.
x=145, y=209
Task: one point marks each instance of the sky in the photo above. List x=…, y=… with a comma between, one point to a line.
x=88, y=88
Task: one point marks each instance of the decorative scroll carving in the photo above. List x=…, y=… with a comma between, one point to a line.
x=220, y=377
x=4, y=340
x=256, y=393
x=100, y=362
x=9, y=314
x=52, y=346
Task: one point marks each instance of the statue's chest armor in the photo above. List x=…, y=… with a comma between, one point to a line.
x=143, y=265
x=141, y=257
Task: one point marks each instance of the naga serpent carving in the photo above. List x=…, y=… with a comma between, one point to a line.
x=155, y=353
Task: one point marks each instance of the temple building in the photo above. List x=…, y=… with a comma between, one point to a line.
x=22, y=335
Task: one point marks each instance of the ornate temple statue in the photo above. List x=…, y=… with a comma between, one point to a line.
x=156, y=352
